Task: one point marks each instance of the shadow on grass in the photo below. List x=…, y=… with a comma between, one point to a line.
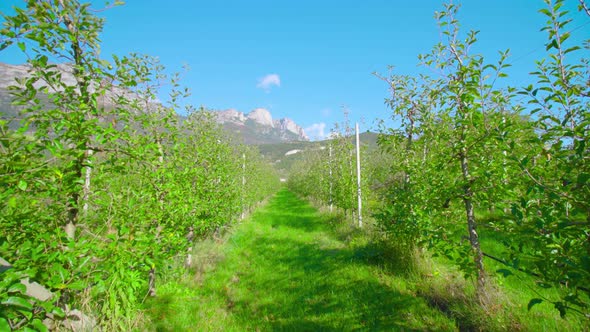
x=311, y=289
x=160, y=311
x=300, y=278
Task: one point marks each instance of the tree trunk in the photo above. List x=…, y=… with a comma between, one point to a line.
x=82, y=84
x=72, y=207
x=160, y=192
x=409, y=141
x=152, y=283
x=88, y=177
x=471, y=226
x=160, y=196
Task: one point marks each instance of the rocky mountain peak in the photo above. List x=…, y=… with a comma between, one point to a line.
x=230, y=115
x=258, y=126
x=261, y=116
x=287, y=124
x=9, y=73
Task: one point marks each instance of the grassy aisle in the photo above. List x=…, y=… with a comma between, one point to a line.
x=285, y=270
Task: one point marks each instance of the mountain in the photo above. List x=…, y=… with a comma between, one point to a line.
x=10, y=73
x=258, y=126
x=285, y=155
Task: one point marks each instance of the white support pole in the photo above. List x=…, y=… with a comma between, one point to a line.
x=243, y=185
x=358, y=175
x=330, y=178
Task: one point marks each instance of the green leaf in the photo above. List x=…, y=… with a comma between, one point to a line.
x=19, y=302
x=552, y=44
x=38, y=325
x=58, y=312
x=12, y=202
x=533, y=302
x=505, y=272
x=4, y=326
x=571, y=49
x=150, y=262
x=564, y=37
x=5, y=45
x=17, y=288
x=545, y=11
x=22, y=185
x=561, y=307
x=580, y=145
x=543, y=284
x=22, y=46
x=77, y=285
x=583, y=178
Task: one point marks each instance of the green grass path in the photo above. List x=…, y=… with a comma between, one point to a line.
x=284, y=269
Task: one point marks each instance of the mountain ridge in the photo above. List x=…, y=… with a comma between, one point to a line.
x=255, y=127
x=261, y=119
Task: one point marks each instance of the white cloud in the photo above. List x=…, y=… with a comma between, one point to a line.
x=266, y=83
x=316, y=131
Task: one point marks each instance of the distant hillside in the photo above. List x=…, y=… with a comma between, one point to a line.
x=284, y=155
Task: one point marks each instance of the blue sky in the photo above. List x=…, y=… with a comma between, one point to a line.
x=320, y=54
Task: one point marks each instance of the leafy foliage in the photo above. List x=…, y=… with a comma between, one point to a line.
x=103, y=187
x=328, y=174
x=553, y=214
x=463, y=140
x=468, y=147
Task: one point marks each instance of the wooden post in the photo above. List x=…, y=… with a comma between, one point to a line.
x=358, y=175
